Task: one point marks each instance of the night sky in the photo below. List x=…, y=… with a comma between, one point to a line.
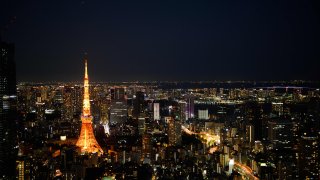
x=164, y=40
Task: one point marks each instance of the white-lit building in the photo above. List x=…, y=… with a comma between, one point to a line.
x=156, y=111
x=203, y=114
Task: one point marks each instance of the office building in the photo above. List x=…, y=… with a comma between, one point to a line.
x=138, y=104
x=203, y=114
x=309, y=165
x=156, y=111
x=174, y=131
x=280, y=133
x=190, y=106
x=118, y=106
x=8, y=141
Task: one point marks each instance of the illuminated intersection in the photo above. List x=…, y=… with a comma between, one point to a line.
x=245, y=171
x=210, y=139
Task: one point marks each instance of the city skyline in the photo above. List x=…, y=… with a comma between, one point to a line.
x=164, y=41
x=178, y=90
x=232, y=130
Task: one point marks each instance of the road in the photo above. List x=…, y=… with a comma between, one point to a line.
x=209, y=138
x=244, y=171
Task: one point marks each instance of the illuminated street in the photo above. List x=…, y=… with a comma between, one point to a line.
x=244, y=171
x=209, y=139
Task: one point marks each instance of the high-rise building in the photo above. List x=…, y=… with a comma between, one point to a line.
x=142, y=124
x=118, y=106
x=203, y=114
x=190, y=106
x=20, y=169
x=23, y=167
x=67, y=103
x=117, y=93
x=77, y=99
x=309, y=166
x=8, y=113
x=138, y=104
x=309, y=142
x=87, y=141
x=174, y=131
x=277, y=108
x=156, y=111
x=183, y=112
x=254, y=113
x=146, y=146
x=104, y=115
x=280, y=133
x=250, y=134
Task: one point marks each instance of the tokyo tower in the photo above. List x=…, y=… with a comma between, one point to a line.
x=87, y=142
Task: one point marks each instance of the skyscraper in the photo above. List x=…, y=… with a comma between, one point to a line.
x=146, y=146
x=203, y=114
x=174, y=131
x=249, y=134
x=87, y=142
x=118, y=107
x=280, y=133
x=183, y=111
x=156, y=111
x=8, y=139
x=309, y=165
x=190, y=106
x=309, y=156
x=138, y=104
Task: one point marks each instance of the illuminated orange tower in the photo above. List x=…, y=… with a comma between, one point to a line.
x=87, y=142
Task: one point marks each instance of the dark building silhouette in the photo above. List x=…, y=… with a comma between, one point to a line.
x=280, y=133
x=138, y=104
x=257, y=115
x=8, y=141
x=309, y=165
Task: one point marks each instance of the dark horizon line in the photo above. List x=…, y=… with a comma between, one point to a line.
x=182, y=81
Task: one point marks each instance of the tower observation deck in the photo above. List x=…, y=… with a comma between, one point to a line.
x=87, y=141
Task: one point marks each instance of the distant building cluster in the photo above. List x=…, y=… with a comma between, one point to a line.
x=157, y=130
x=181, y=133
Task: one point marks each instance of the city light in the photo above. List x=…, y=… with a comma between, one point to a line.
x=177, y=90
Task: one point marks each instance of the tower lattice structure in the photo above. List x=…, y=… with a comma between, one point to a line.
x=87, y=141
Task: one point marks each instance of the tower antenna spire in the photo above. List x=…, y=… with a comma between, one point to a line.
x=87, y=142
